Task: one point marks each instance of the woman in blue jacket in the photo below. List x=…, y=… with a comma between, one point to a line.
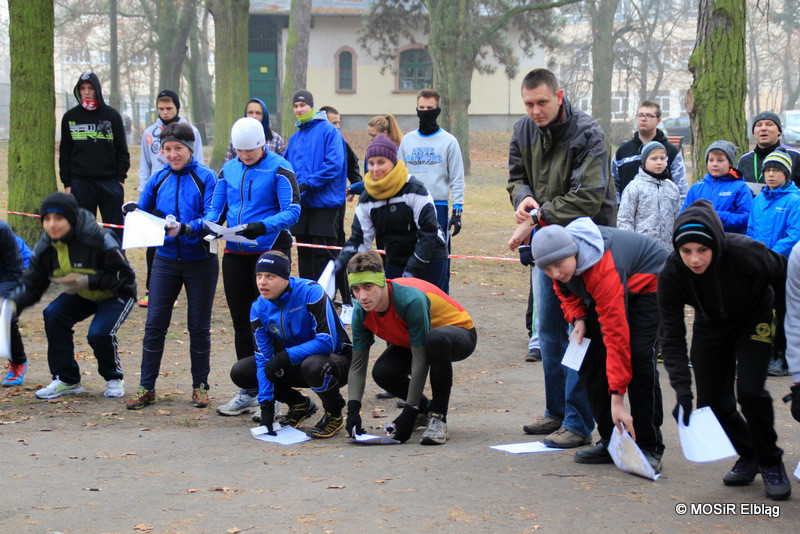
x=182, y=191
x=257, y=192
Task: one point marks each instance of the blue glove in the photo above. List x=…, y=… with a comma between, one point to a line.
x=525, y=255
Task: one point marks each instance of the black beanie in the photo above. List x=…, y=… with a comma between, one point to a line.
x=166, y=93
x=767, y=116
x=274, y=262
x=303, y=95
x=693, y=232
x=63, y=204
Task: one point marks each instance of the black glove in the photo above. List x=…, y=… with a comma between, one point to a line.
x=402, y=427
x=339, y=263
x=205, y=230
x=252, y=230
x=129, y=207
x=302, y=187
x=686, y=402
x=275, y=367
x=455, y=222
x=268, y=416
x=525, y=255
x=353, y=424
x=178, y=229
x=794, y=397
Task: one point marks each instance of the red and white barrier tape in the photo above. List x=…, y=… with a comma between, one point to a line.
x=312, y=245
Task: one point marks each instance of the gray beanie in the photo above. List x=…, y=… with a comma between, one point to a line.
x=649, y=147
x=303, y=95
x=551, y=244
x=728, y=148
x=767, y=116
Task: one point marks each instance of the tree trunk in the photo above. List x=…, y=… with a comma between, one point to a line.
x=602, y=15
x=718, y=63
x=200, y=91
x=31, y=167
x=231, y=90
x=113, y=94
x=452, y=49
x=294, y=76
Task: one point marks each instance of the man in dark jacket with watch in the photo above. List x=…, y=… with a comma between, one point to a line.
x=558, y=164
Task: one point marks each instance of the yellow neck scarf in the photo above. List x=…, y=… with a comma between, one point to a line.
x=390, y=184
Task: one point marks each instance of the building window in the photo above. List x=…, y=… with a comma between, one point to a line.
x=414, y=70
x=345, y=61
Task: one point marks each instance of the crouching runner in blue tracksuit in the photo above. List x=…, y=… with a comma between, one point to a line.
x=300, y=343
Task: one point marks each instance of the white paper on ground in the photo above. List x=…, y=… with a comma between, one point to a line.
x=525, y=448
x=628, y=456
x=370, y=439
x=229, y=234
x=327, y=280
x=573, y=357
x=143, y=230
x=287, y=435
x=703, y=440
x=797, y=471
x=5, y=329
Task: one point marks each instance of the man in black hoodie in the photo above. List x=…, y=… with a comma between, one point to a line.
x=733, y=283
x=93, y=159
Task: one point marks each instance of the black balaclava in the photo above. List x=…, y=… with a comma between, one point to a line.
x=427, y=120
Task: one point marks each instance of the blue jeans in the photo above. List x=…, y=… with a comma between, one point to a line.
x=443, y=216
x=67, y=310
x=565, y=398
x=200, y=279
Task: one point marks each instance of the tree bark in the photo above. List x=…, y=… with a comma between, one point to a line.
x=199, y=78
x=602, y=15
x=296, y=69
x=170, y=21
x=31, y=165
x=114, y=93
x=716, y=99
x=231, y=90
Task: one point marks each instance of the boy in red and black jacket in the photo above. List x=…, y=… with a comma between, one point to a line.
x=606, y=281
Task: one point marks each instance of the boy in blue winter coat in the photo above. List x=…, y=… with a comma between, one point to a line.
x=724, y=187
x=775, y=221
x=300, y=343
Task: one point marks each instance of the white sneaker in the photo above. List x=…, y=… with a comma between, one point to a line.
x=115, y=388
x=436, y=433
x=346, y=315
x=56, y=388
x=239, y=404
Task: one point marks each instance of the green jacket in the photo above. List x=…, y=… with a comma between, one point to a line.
x=565, y=167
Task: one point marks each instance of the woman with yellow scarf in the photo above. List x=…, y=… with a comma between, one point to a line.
x=397, y=212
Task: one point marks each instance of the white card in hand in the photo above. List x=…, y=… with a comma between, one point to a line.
x=573, y=357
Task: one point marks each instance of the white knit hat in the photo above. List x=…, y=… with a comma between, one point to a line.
x=247, y=133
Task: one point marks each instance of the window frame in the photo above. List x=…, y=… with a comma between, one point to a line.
x=397, y=65
x=353, y=60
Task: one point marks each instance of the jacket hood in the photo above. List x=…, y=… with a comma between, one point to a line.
x=89, y=77
x=786, y=189
x=562, y=122
x=587, y=236
x=264, y=117
x=702, y=212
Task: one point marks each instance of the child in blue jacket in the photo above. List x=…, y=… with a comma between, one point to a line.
x=724, y=187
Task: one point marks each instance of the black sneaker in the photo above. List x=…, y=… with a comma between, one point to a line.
x=299, y=413
x=777, y=367
x=776, y=482
x=653, y=459
x=327, y=426
x=742, y=473
x=534, y=355
x=598, y=454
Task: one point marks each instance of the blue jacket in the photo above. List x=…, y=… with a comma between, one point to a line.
x=302, y=322
x=187, y=196
x=24, y=249
x=11, y=265
x=264, y=192
x=731, y=197
x=316, y=152
x=775, y=219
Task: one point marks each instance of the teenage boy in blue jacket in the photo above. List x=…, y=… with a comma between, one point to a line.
x=300, y=343
x=316, y=152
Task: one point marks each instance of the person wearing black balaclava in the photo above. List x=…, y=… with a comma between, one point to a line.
x=153, y=159
x=433, y=156
x=93, y=158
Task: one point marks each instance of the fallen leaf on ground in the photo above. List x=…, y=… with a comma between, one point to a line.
x=143, y=527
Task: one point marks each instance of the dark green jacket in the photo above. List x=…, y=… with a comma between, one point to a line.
x=565, y=167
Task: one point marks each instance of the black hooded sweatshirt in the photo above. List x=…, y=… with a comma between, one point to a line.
x=93, y=143
x=745, y=278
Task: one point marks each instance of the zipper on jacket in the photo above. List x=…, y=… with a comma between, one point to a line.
x=241, y=205
x=177, y=211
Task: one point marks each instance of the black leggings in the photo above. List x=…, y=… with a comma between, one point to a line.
x=738, y=353
x=443, y=346
x=309, y=374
